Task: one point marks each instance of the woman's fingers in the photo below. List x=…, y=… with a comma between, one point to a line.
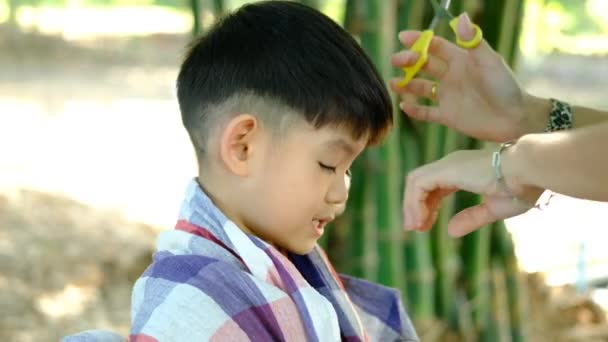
x=470, y=219
x=423, y=195
x=493, y=209
x=423, y=113
x=434, y=66
x=439, y=46
x=417, y=86
x=433, y=204
x=447, y=50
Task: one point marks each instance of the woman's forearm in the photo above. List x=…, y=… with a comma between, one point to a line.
x=573, y=163
x=536, y=115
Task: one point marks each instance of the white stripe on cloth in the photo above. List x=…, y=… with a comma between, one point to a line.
x=324, y=317
x=179, y=317
x=255, y=258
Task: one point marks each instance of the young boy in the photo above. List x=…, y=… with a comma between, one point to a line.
x=278, y=101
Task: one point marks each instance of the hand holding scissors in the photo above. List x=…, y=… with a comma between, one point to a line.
x=421, y=46
x=473, y=91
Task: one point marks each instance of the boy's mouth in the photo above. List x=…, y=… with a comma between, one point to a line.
x=319, y=225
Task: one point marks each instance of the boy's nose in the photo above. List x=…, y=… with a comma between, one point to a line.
x=338, y=192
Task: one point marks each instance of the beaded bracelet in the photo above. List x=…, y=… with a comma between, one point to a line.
x=560, y=117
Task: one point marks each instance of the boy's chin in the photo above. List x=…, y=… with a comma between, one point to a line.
x=299, y=249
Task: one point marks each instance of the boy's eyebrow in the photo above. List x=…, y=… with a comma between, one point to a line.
x=341, y=144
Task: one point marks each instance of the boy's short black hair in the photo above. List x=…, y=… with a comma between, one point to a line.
x=291, y=54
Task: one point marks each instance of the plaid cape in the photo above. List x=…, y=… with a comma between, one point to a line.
x=211, y=281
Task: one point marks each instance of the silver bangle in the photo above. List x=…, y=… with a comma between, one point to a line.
x=497, y=165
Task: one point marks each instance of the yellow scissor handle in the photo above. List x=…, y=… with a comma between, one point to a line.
x=467, y=44
x=421, y=47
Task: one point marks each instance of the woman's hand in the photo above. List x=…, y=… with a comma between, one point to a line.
x=468, y=170
x=477, y=93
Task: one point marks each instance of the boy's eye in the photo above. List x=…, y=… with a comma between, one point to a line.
x=327, y=167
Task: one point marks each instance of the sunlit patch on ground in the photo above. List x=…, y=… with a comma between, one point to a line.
x=71, y=301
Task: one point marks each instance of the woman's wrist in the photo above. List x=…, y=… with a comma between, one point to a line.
x=516, y=158
x=535, y=115
x=517, y=171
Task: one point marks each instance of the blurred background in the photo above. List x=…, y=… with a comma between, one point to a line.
x=94, y=162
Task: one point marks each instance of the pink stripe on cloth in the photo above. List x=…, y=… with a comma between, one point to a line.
x=188, y=227
x=142, y=338
x=230, y=331
x=291, y=269
x=290, y=323
x=274, y=278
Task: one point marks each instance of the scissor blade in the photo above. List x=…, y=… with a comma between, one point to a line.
x=441, y=12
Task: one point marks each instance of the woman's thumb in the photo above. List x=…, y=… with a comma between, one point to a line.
x=465, y=29
x=466, y=32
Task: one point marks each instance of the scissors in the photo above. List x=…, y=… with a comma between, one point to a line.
x=421, y=46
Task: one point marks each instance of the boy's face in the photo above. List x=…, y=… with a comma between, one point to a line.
x=299, y=184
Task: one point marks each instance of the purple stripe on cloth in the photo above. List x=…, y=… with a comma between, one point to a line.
x=377, y=300
x=233, y=290
x=179, y=268
x=311, y=272
x=155, y=293
x=155, y=258
x=306, y=319
x=292, y=290
x=260, y=324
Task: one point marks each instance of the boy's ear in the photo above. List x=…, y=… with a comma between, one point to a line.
x=236, y=144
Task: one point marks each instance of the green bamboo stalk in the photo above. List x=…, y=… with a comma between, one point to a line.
x=357, y=252
x=364, y=233
x=347, y=242
x=501, y=324
x=310, y=3
x=476, y=246
x=506, y=43
x=13, y=8
x=475, y=255
x=490, y=20
x=512, y=56
x=420, y=277
x=219, y=8
x=196, y=15
x=475, y=258
x=369, y=215
x=418, y=260
x=446, y=261
x=353, y=17
x=377, y=39
x=356, y=203
x=504, y=252
x=507, y=28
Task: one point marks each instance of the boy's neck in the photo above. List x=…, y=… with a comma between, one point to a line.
x=219, y=202
x=232, y=217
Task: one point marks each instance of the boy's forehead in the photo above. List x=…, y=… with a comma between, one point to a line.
x=340, y=143
x=338, y=138
x=341, y=139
